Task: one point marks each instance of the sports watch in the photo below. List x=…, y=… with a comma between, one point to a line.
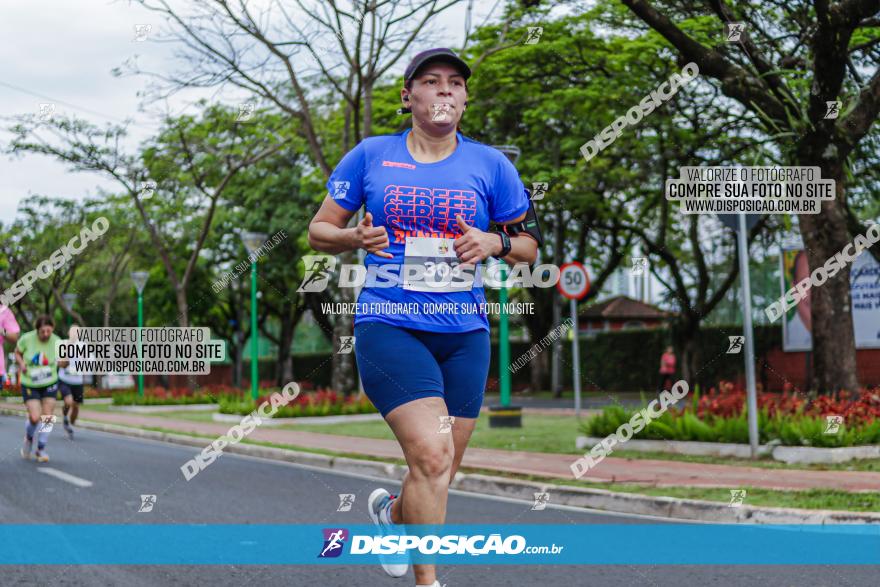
x=505, y=245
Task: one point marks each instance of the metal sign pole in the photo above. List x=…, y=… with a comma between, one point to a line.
x=751, y=393
x=576, y=360
x=574, y=283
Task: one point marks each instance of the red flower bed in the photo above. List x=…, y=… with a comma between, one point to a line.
x=323, y=402
x=212, y=393
x=214, y=390
x=728, y=401
x=319, y=397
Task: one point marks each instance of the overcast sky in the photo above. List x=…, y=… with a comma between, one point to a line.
x=62, y=53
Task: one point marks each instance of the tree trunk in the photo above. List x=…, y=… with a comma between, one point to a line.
x=237, y=361
x=834, y=347
x=108, y=303
x=368, y=107
x=180, y=297
x=183, y=320
x=537, y=325
x=690, y=352
x=284, y=364
x=538, y=373
x=343, y=378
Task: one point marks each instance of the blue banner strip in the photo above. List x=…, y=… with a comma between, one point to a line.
x=522, y=544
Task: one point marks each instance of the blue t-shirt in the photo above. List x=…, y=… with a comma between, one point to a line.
x=412, y=199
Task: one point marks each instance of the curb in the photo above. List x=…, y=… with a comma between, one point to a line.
x=809, y=454
x=667, y=507
x=791, y=455
x=596, y=499
x=679, y=447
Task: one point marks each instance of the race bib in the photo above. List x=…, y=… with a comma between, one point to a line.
x=38, y=374
x=430, y=265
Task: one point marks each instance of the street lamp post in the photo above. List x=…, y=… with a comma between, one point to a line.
x=140, y=281
x=253, y=241
x=507, y=415
x=69, y=300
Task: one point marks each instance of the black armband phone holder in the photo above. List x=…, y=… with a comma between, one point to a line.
x=528, y=225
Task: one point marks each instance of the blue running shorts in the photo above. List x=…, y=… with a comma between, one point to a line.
x=399, y=365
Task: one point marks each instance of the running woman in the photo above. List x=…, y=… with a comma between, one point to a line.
x=430, y=194
x=35, y=355
x=71, y=387
x=9, y=331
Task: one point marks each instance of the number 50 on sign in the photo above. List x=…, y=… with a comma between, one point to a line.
x=574, y=282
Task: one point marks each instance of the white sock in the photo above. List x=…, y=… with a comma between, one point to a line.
x=434, y=584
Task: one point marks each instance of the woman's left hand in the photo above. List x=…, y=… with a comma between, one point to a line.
x=474, y=245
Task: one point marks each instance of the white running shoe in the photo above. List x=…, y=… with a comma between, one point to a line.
x=376, y=502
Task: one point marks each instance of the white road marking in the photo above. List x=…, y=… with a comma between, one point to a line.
x=72, y=479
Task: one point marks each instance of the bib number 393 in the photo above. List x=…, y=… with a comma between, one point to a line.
x=430, y=265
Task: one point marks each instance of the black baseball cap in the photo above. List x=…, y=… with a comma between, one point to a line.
x=438, y=54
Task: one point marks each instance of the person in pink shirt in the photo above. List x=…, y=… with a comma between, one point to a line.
x=667, y=368
x=9, y=331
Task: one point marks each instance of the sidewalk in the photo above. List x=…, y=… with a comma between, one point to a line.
x=640, y=471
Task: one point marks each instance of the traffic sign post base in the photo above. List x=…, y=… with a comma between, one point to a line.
x=505, y=416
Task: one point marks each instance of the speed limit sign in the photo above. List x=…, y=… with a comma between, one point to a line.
x=574, y=282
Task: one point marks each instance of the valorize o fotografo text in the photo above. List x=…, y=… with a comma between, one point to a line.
x=155, y=351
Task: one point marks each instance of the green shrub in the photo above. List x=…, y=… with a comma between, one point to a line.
x=795, y=429
x=133, y=399
x=308, y=405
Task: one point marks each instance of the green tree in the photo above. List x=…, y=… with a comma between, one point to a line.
x=175, y=182
x=794, y=58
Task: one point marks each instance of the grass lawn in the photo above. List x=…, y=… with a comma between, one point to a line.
x=181, y=415
x=193, y=416
x=540, y=433
x=544, y=433
x=556, y=434
x=813, y=499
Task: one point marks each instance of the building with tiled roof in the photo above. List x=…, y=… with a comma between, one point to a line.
x=619, y=313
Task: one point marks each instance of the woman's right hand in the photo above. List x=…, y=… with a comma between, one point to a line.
x=372, y=238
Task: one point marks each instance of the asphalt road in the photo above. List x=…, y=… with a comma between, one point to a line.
x=241, y=490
